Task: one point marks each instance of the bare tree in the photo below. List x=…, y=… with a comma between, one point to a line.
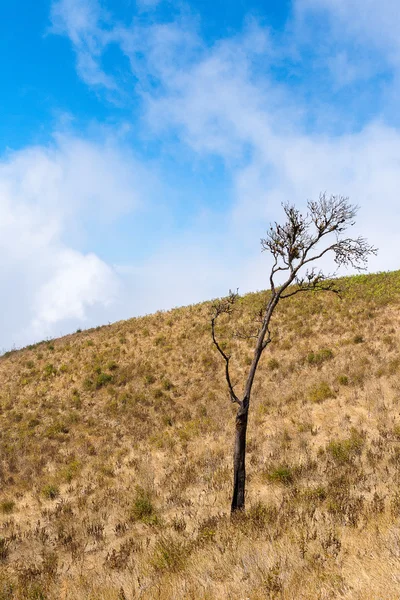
x=295, y=246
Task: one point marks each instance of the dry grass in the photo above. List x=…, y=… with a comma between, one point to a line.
x=115, y=448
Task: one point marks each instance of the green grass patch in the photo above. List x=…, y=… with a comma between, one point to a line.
x=344, y=451
x=320, y=392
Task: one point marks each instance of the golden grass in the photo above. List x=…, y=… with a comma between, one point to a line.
x=115, y=457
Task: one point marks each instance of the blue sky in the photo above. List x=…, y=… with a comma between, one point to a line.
x=145, y=146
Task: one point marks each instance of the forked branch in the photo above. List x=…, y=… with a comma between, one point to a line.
x=224, y=306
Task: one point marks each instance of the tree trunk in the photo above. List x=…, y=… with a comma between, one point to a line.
x=239, y=457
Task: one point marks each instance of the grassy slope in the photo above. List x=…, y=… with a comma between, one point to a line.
x=115, y=448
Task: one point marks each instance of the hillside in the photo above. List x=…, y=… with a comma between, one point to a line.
x=116, y=457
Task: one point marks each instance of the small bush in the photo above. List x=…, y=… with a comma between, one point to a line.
x=315, y=494
x=49, y=370
x=317, y=358
x=7, y=506
x=51, y=491
x=358, y=339
x=281, y=474
x=169, y=554
x=272, y=581
x=320, y=392
x=261, y=515
x=71, y=470
x=143, y=509
x=102, y=379
x=179, y=524
x=167, y=385
x=57, y=429
x=344, y=451
x=273, y=364
x=343, y=380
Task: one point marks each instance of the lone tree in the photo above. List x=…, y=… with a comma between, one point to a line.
x=295, y=246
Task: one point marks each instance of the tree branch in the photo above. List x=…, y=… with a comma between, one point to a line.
x=225, y=306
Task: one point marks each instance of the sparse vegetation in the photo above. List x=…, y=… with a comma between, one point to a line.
x=110, y=488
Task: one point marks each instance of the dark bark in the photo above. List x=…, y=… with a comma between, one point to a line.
x=239, y=458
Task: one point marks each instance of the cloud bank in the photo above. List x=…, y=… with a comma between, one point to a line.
x=46, y=195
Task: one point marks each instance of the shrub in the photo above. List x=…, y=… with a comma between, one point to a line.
x=71, y=470
x=169, y=554
x=315, y=494
x=344, y=451
x=167, y=385
x=261, y=515
x=358, y=339
x=273, y=364
x=51, y=491
x=317, y=358
x=102, y=379
x=320, y=392
x=57, y=429
x=272, y=581
x=179, y=524
x=7, y=506
x=343, y=380
x=281, y=474
x=49, y=370
x=143, y=509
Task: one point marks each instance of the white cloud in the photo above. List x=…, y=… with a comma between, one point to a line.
x=366, y=21
x=220, y=102
x=84, y=23
x=52, y=197
x=78, y=282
